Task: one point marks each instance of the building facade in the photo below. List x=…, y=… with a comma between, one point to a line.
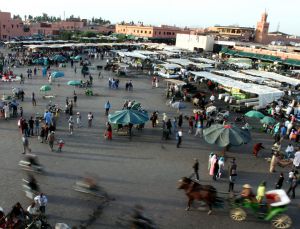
x=10, y=27
x=192, y=42
x=233, y=32
x=151, y=31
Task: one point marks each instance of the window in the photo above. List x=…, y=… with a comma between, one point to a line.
x=12, y=26
x=134, y=31
x=173, y=33
x=164, y=33
x=159, y=33
x=150, y=32
x=138, y=31
x=3, y=26
x=141, y=31
x=145, y=31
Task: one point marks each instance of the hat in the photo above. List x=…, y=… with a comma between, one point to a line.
x=78, y=113
x=248, y=186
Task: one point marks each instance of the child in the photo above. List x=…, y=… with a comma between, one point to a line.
x=60, y=145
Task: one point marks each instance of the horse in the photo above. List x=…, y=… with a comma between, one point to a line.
x=196, y=191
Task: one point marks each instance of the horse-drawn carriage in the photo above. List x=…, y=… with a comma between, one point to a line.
x=272, y=210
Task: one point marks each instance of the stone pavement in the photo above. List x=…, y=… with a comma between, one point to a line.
x=142, y=171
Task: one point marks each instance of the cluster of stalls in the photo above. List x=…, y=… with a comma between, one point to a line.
x=249, y=86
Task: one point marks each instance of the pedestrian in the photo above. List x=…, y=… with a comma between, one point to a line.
x=156, y=82
x=6, y=111
x=71, y=125
x=261, y=191
x=31, y=126
x=199, y=129
x=51, y=139
x=25, y=142
x=289, y=151
x=293, y=186
x=191, y=125
x=22, y=95
x=257, y=147
x=174, y=124
x=33, y=99
x=75, y=69
x=169, y=126
x=216, y=169
x=196, y=168
x=37, y=126
x=107, y=107
x=108, y=131
x=273, y=162
x=153, y=81
x=61, y=144
x=75, y=99
x=221, y=166
x=154, y=118
x=21, y=111
x=42, y=134
x=179, y=138
x=78, y=120
x=232, y=175
x=280, y=181
x=42, y=201
x=90, y=119
x=212, y=162
x=46, y=131
x=180, y=121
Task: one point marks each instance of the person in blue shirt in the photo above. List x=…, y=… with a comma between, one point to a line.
x=107, y=107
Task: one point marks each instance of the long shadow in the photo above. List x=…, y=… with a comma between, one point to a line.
x=109, y=156
x=75, y=158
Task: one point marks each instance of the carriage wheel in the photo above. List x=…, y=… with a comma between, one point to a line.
x=238, y=214
x=282, y=221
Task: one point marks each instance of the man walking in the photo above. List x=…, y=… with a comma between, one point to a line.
x=33, y=99
x=51, y=139
x=42, y=201
x=179, y=137
x=71, y=125
x=257, y=147
x=196, y=168
x=90, y=119
x=25, y=144
x=232, y=175
x=107, y=107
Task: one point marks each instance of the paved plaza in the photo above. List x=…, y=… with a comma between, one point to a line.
x=143, y=170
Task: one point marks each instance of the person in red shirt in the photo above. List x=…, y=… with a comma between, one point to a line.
x=257, y=147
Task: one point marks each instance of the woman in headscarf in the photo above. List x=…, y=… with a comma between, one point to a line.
x=212, y=164
x=221, y=166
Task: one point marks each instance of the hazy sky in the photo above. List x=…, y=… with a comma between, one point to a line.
x=201, y=13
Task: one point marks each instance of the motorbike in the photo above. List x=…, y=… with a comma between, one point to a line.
x=31, y=164
x=88, y=188
x=30, y=192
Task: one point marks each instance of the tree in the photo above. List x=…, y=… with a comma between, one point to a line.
x=30, y=17
x=17, y=17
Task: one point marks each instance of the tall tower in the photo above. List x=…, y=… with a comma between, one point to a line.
x=262, y=29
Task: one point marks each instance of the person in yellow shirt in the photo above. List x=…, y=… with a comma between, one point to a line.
x=261, y=190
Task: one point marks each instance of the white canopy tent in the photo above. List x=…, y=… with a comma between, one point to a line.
x=203, y=60
x=274, y=76
x=238, y=75
x=182, y=62
x=265, y=94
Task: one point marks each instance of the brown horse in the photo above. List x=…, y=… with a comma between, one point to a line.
x=196, y=191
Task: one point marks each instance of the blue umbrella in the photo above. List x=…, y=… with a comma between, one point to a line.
x=59, y=58
x=57, y=74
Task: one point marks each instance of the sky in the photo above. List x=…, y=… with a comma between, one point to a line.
x=191, y=13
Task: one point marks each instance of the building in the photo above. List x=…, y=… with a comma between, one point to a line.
x=263, y=36
x=192, y=42
x=262, y=29
x=233, y=32
x=10, y=27
x=164, y=31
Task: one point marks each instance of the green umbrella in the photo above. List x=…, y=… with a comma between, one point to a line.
x=254, y=114
x=45, y=88
x=128, y=116
x=224, y=135
x=74, y=83
x=268, y=120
